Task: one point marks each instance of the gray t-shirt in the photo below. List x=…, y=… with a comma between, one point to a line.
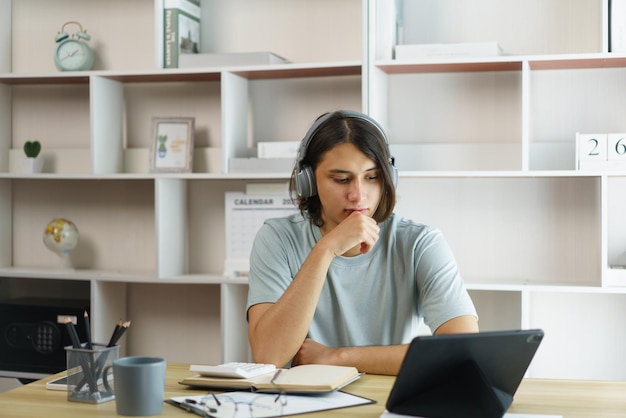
x=370, y=299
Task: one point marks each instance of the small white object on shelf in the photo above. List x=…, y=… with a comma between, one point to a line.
x=278, y=149
x=261, y=165
x=31, y=165
x=229, y=59
x=446, y=50
x=32, y=162
x=601, y=151
x=616, y=276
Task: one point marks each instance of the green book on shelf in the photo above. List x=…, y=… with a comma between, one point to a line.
x=181, y=30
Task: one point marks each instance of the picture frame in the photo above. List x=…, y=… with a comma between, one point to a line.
x=172, y=142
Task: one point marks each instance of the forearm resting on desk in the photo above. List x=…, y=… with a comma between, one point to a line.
x=383, y=360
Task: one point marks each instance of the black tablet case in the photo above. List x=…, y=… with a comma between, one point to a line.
x=463, y=375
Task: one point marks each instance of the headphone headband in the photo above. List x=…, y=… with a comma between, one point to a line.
x=305, y=177
x=304, y=145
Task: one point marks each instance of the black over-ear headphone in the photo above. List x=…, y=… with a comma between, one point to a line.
x=305, y=177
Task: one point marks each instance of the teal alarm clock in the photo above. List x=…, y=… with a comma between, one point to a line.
x=72, y=52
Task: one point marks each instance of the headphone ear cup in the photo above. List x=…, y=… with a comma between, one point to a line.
x=305, y=182
x=394, y=175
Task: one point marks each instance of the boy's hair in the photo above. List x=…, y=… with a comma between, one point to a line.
x=338, y=128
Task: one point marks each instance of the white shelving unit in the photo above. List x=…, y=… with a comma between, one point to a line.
x=485, y=148
x=151, y=246
x=488, y=156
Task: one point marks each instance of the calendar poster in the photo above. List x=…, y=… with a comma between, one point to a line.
x=245, y=214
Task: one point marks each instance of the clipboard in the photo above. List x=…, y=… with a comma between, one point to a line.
x=296, y=404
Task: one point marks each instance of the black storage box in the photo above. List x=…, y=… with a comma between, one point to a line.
x=33, y=333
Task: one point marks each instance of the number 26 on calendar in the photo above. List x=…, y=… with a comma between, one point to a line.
x=602, y=148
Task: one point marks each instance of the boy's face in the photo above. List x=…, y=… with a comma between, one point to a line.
x=347, y=180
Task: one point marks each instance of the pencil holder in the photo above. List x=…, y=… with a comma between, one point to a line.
x=85, y=373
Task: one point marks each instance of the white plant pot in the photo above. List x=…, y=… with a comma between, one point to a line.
x=32, y=165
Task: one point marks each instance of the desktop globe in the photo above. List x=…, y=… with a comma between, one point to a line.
x=61, y=237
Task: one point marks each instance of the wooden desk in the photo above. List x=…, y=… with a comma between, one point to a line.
x=571, y=399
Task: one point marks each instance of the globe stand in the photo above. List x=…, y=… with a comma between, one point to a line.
x=65, y=262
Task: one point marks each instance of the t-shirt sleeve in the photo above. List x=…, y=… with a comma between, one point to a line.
x=442, y=292
x=269, y=268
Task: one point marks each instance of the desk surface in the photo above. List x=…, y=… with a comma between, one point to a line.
x=571, y=399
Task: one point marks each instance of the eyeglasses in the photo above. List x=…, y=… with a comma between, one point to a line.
x=227, y=406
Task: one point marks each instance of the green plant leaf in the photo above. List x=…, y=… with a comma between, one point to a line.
x=32, y=149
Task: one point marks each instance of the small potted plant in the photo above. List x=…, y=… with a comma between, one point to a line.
x=33, y=163
x=162, y=148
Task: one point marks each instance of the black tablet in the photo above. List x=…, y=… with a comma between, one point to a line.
x=463, y=375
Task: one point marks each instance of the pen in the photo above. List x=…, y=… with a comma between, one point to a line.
x=275, y=377
x=187, y=406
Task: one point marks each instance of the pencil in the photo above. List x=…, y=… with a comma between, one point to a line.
x=88, y=372
x=72, y=332
x=121, y=332
x=115, y=331
x=88, y=330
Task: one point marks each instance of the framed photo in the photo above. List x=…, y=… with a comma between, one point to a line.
x=172, y=144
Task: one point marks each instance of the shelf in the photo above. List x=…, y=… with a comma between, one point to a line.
x=113, y=276
x=206, y=279
x=507, y=174
x=77, y=176
x=300, y=71
x=189, y=75
x=503, y=63
x=146, y=176
x=545, y=288
x=43, y=79
x=577, y=62
x=53, y=273
x=286, y=176
x=451, y=65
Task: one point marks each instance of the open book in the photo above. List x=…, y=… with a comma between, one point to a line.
x=308, y=378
